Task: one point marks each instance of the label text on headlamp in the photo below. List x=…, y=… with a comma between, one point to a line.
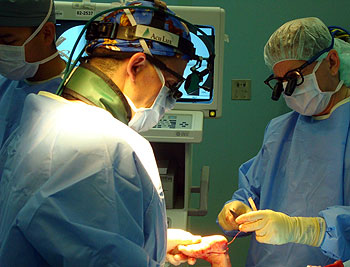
x=157, y=35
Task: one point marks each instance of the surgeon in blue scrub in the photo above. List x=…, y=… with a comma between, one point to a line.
x=300, y=178
x=79, y=186
x=29, y=60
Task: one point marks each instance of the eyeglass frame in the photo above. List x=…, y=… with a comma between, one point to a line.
x=162, y=66
x=292, y=82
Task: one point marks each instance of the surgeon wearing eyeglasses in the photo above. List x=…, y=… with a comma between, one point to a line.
x=79, y=186
x=300, y=178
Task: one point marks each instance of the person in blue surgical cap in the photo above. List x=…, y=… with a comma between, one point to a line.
x=300, y=178
x=29, y=61
x=79, y=186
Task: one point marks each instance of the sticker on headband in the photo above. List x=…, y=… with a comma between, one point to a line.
x=158, y=35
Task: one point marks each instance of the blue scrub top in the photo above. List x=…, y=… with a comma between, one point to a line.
x=78, y=188
x=302, y=169
x=12, y=95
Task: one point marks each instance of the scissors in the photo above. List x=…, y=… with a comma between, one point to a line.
x=234, y=214
x=252, y=204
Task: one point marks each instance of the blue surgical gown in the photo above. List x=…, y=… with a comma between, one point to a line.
x=302, y=169
x=78, y=188
x=12, y=95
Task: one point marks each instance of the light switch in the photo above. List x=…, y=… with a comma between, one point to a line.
x=241, y=89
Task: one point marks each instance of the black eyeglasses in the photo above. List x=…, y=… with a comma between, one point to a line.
x=292, y=78
x=174, y=87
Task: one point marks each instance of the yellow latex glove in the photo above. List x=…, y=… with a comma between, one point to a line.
x=180, y=237
x=226, y=219
x=278, y=228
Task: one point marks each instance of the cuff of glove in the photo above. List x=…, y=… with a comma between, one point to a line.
x=322, y=225
x=312, y=230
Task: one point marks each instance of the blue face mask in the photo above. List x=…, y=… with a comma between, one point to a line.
x=145, y=118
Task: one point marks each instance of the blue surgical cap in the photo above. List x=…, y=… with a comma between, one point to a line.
x=25, y=13
x=301, y=39
x=143, y=17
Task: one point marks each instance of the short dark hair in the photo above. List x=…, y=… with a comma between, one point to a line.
x=112, y=59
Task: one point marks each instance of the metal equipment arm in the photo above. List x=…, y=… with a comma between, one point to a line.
x=203, y=190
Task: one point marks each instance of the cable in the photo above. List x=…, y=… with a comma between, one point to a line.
x=340, y=33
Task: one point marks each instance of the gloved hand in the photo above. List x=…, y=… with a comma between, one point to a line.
x=278, y=228
x=180, y=237
x=226, y=219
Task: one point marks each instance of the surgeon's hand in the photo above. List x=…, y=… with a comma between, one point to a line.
x=225, y=217
x=211, y=248
x=180, y=237
x=278, y=228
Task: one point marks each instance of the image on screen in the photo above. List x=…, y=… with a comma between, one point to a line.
x=70, y=30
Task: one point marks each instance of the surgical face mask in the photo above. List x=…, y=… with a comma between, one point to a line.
x=145, y=118
x=13, y=64
x=308, y=99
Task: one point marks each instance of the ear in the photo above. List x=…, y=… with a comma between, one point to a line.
x=136, y=63
x=334, y=62
x=48, y=33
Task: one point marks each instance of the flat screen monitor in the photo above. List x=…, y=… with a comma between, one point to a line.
x=72, y=16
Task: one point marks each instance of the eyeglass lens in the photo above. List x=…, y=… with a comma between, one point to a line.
x=288, y=83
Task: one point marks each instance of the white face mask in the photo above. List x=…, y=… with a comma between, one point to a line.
x=145, y=118
x=13, y=64
x=308, y=99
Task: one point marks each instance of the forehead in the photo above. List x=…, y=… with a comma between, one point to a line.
x=281, y=68
x=15, y=31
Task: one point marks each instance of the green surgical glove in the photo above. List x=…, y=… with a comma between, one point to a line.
x=277, y=228
x=225, y=217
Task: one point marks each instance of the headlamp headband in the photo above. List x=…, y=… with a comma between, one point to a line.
x=110, y=30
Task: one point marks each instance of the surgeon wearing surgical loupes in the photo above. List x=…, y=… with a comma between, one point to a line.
x=29, y=60
x=300, y=178
x=79, y=186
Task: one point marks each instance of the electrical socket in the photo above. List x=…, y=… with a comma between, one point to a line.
x=241, y=89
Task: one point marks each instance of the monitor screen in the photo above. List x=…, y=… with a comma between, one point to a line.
x=69, y=30
x=201, y=50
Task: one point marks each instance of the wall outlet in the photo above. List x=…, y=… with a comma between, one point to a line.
x=241, y=89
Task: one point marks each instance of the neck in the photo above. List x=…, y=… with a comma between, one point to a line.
x=49, y=70
x=93, y=87
x=343, y=93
